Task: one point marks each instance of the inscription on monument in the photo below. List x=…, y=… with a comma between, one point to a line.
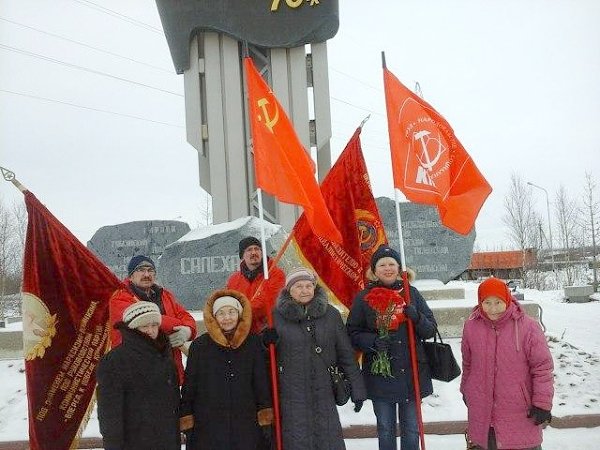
x=116, y=244
x=202, y=261
x=431, y=249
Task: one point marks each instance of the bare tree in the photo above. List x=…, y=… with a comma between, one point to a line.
x=522, y=220
x=7, y=252
x=567, y=215
x=205, y=210
x=591, y=216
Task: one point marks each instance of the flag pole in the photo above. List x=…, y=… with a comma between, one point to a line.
x=411, y=328
x=9, y=175
x=272, y=356
x=263, y=243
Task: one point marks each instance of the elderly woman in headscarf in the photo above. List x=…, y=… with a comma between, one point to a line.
x=226, y=401
x=311, y=337
x=138, y=387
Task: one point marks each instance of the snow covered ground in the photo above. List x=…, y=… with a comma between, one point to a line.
x=574, y=339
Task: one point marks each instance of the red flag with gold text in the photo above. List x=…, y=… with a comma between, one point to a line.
x=429, y=164
x=66, y=292
x=347, y=193
x=283, y=167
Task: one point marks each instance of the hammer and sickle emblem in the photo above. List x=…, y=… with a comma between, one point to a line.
x=427, y=163
x=269, y=122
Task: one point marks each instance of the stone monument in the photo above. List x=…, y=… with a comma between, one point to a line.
x=116, y=244
x=431, y=249
x=202, y=260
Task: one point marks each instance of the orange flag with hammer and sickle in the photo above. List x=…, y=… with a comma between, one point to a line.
x=282, y=166
x=429, y=163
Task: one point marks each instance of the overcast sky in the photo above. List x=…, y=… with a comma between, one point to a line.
x=517, y=80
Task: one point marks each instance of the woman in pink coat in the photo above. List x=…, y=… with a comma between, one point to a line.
x=507, y=373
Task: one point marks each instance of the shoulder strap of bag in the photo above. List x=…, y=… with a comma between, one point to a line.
x=318, y=349
x=437, y=335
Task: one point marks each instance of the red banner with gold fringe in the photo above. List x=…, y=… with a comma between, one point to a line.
x=348, y=196
x=66, y=292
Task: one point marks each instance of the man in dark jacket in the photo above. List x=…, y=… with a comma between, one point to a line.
x=176, y=322
x=138, y=392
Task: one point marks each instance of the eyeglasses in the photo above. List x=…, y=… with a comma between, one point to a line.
x=149, y=270
x=221, y=313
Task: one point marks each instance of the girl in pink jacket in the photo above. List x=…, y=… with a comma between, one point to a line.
x=507, y=381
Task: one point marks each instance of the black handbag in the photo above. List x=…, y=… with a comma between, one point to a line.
x=342, y=389
x=340, y=384
x=442, y=363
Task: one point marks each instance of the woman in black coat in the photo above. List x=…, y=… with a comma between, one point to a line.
x=226, y=395
x=138, y=387
x=393, y=396
x=304, y=321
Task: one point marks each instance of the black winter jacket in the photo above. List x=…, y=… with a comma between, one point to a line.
x=309, y=415
x=361, y=325
x=226, y=387
x=138, y=394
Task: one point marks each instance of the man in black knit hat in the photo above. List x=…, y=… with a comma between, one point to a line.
x=249, y=281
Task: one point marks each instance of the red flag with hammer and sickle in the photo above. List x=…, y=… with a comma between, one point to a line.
x=347, y=192
x=283, y=167
x=430, y=165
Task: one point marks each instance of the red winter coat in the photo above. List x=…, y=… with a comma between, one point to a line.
x=263, y=301
x=174, y=315
x=507, y=369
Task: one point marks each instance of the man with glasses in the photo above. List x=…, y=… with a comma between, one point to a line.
x=176, y=322
x=249, y=280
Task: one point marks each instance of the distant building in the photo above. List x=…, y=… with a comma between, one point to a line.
x=506, y=265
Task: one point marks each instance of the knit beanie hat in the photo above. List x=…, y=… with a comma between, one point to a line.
x=299, y=274
x=139, y=261
x=384, y=251
x=141, y=313
x=226, y=300
x=494, y=287
x=247, y=242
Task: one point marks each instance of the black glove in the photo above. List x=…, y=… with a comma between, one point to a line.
x=270, y=336
x=358, y=405
x=381, y=344
x=539, y=415
x=267, y=435
x=411, y=312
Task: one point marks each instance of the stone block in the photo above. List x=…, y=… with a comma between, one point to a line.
x=443, y=294
x=578, y=294
x=202, y=260
x=451, y=319
x=116, y=244
x=432, y=250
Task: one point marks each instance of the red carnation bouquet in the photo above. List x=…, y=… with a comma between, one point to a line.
x=388, y=305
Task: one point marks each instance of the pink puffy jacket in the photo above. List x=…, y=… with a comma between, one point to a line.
x=507, y=368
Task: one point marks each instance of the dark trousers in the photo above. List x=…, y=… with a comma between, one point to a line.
x=492, y=443
x=386, y=413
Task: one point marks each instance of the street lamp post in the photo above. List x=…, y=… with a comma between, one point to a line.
x=549, y=223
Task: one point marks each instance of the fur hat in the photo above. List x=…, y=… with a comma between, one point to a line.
x=141, y=313
x=299, y=274
x=384, y=251
x=494, y=287
x=247, y=242
x=139, y=261
x=226, y=300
